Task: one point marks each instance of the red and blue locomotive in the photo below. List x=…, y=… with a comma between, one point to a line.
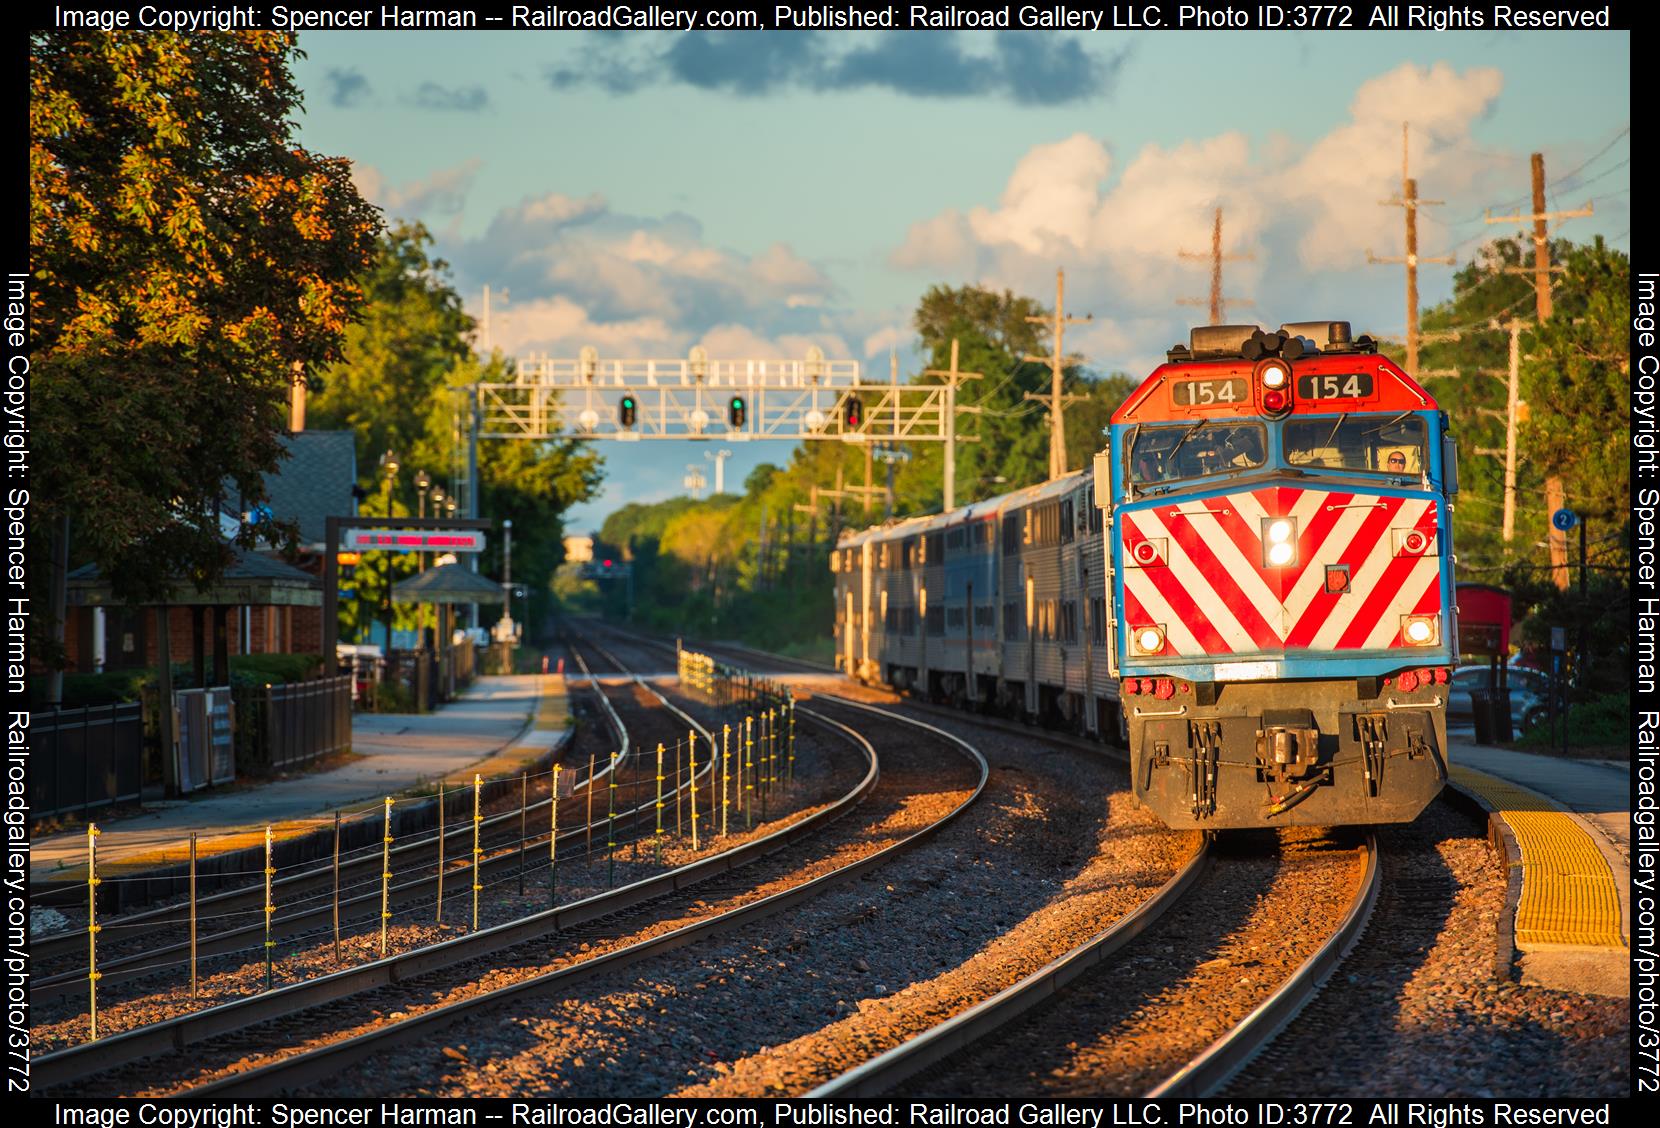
x=1254, y=587
x=1282, y=580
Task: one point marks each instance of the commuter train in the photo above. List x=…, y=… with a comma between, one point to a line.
x=1252, y=587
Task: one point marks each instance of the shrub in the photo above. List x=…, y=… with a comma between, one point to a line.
x=1602, y=720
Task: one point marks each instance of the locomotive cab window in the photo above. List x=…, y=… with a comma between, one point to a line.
x=1192, y=450
x=1374, y=444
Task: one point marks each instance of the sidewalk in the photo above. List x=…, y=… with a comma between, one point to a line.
x=1571, y=822
x=501, y=724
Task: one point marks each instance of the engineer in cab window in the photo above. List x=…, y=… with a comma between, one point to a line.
x=1396, y=462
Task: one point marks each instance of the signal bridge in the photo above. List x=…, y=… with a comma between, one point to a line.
x=699, y=397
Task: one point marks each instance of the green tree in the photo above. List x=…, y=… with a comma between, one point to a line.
x=1576, y=377
x=396, y=361
x=1574, y=373
x=187, y=256
x=400, y=385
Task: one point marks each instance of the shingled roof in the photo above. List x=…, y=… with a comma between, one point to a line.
x=314, y=483
x=250, y=579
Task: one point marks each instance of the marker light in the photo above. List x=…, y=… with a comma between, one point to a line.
x=1148, y=552
x=1273, y=400
x=1149, y=640
x=1419, y=630
x=1411, y=542
x=1273, y=374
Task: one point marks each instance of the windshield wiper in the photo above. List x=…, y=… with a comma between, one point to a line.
x=1186, y=435
x=1335, y=427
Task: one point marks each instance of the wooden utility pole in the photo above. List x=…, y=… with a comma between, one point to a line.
x=1555, y=494
x=952, y=379
x=1218, y=304
x=1409, y=200
x=1057, y=361
x=1514, y=410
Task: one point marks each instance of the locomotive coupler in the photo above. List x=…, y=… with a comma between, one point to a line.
x=1288, y=743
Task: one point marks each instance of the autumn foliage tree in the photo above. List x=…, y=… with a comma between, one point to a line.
x=188, y=258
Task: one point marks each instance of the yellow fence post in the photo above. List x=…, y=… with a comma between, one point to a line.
x=611, y=824
x=270, y=908
x=193, y=916
x=749, y=765
x=385, y=875
x=657, y=839
x=92, y=833
x=553, y=840
x=478, y=854
x=438, y=918
x=691, y=779
x=725, y=774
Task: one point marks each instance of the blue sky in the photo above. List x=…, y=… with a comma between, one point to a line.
x=762, y=192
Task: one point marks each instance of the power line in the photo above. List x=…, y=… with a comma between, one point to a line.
x=1600, y=152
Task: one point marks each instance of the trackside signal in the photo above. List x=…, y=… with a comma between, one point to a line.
x=853, y=413
x=736, y=411
x=627, y=411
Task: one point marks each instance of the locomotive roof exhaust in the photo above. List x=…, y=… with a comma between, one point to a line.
x=1293, y=339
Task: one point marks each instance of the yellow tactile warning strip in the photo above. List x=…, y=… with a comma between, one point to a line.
x=1568, y=893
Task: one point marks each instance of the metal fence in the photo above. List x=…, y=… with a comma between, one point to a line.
x=284, y=726
x=85, y=758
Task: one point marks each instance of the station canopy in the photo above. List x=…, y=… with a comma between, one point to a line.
x=447, y=583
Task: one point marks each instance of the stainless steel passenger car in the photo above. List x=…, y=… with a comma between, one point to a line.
x=998, y=606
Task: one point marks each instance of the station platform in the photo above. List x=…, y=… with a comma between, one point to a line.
x=1566, y=828
x=498, y=728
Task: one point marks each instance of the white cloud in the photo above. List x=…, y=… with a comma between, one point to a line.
x=444, y=192
x=892, y=337
x=1116, y=223
x=619, y=267
x=560, y=326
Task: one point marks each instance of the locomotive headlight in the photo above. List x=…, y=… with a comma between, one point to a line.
x=1149, y=640
x=1420, y=630
x=1274, y=374
x=1279, y=541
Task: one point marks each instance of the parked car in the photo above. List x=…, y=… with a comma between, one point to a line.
x=1529, y=695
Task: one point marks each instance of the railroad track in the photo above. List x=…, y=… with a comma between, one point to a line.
x=505, y=855
x=991, y=1031
x=254, y=1026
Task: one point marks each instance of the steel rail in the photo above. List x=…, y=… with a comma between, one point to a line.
x=979, y=720
x=1230, y=1053
x=504, y=857
x=177, y=1034
x=172, y=1032
x=327, y=1061
x=886, y=1070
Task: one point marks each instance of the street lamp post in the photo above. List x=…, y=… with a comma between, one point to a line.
x=505, y=627
x=423, y=483
x=389, y=471
x=892, y=454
